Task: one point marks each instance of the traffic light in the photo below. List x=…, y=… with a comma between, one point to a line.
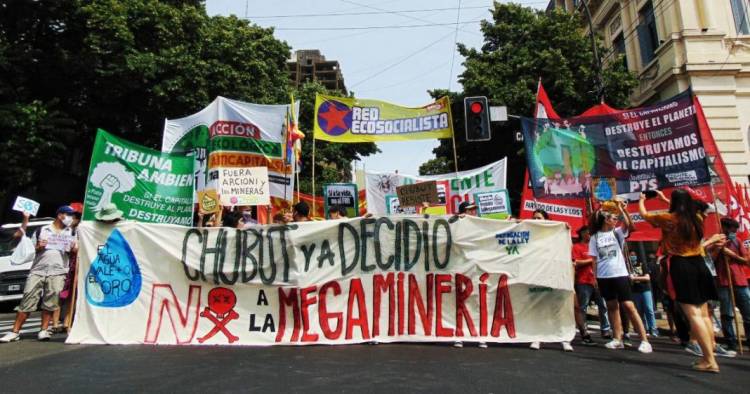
x=477, y=116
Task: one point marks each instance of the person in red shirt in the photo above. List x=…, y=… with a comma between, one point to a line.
x=733, y=257
x=585, y=286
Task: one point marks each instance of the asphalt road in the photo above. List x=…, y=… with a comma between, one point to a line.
x=32, y=366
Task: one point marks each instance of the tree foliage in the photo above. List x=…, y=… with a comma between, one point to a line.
x=70, y=67
x=522, y=45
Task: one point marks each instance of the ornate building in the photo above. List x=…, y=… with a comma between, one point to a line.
x=672, y=45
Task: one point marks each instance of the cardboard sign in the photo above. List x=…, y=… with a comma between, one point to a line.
x=244, y=186
x=343, y=195
x=493, y=204
x=414, y=195
x=26, y=205
x=208, y=201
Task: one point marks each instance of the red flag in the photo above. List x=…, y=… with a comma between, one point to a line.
x=543, y=109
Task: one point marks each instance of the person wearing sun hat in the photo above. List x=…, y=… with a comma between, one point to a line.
x=54, y=245
x=109, y=214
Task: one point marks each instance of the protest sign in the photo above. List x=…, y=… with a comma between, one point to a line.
x=604, y=189
x=62, y=241
x=390, y=279
x=208, y=201
x=345, y=119
x=493, y=204
x=645, y=148
x=341, y=195
x=393, y=207
x=244, y=186
x=232, y=133
x=147, y=185
x=417, y=193
x=463, y=185
x=26, y=205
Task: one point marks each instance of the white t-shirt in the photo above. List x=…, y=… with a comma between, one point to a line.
x=610, y=262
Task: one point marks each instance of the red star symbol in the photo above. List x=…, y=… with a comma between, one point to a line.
x=335, y=118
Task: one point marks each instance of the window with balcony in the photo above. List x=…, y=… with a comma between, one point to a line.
x=741, y=17
x=648, y=37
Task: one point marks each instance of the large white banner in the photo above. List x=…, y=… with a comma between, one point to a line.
x=389, y=279
x=232, y=133
x=382, y=185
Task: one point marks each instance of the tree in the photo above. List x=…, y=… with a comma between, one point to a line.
x=333, y=161
x=521, y=45
x=70, y=67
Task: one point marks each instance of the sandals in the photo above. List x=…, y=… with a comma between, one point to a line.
x=697, y=366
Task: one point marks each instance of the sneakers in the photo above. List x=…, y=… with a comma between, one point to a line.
x=483, y=345
x=566, y=346
x=607, y=334
x=645, y=347
x=655, y=333
x=535, y=345
x=614, y=344
x=10, y=337
x=721, y=352
x=626, y=340
x=588, y=341
x=694, y=349
x=44, y=335
x=458, y=344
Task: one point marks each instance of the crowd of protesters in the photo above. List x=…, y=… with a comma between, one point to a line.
x=688, y=274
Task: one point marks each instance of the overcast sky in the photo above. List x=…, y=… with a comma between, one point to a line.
x=398, y=65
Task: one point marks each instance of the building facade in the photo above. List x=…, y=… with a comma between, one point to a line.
x=311, y=65
x=672, y=45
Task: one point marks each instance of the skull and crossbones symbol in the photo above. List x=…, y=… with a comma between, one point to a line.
x=221, y=302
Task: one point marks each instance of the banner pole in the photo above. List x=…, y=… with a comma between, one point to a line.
x=313, y=174
x=455, y=155
x=73, y=295
x=729, y=274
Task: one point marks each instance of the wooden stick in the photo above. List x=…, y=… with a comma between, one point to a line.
x=313, y=176
x=73, y=294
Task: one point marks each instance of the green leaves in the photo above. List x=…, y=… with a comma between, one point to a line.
x=121, y=65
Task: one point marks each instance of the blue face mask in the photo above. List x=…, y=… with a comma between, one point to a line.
x=633, y=259
x=732, y=236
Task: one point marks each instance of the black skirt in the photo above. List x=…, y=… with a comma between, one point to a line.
x=692, y=281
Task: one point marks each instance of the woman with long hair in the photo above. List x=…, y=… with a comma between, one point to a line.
x=606, y=249
x=689, y=279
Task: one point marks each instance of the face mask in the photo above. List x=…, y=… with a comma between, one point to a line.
x=633, y=259
x=247, y=215
x=67, y=221
x=732, y=236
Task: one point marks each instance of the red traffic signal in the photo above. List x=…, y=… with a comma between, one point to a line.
x=476, y=107
x=477, y=119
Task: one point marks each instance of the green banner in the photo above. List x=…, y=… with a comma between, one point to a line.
x=145, y=184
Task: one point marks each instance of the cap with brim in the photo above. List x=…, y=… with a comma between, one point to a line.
x=66, y=209
x=108, y=212
x=465, y=206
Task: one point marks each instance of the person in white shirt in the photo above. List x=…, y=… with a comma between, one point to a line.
x=54, y=244
x=606, y=249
